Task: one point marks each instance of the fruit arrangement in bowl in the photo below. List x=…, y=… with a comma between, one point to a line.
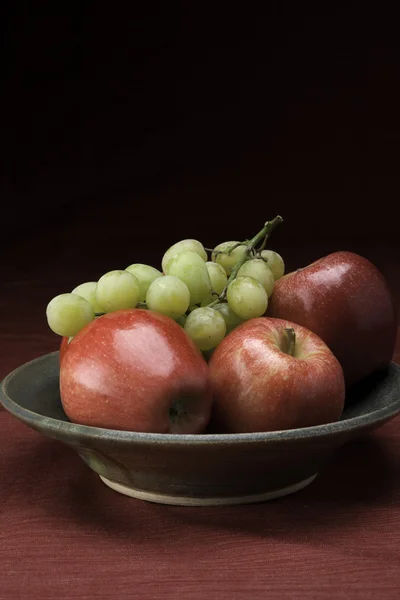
x=217, y=378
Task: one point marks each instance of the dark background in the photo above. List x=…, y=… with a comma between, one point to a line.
x=123, y=133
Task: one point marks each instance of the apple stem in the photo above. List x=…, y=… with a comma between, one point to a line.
x=248, y=253
x=291, y=339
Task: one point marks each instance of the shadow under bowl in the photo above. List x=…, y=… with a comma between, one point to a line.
x=199, y=470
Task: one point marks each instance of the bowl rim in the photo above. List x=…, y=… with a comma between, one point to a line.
x=52, y=425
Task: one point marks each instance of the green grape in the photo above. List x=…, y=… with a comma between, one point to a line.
x=206, y=327
x=88, y=291
x=181, y=320
x=67, y=314
x=183, y=246
x=247, y=297
x=208, y=300
x=275, y=263
x=192, y=270
x=258, y=269
x=228, y=261
x=217, y=276
x=168, y=295
x=117, y=290
x=231, y=319
x=145, y=275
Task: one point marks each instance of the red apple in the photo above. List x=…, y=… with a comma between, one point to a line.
x=136, y=370
x=63, y=348
x=345, y=300
x=261, y=382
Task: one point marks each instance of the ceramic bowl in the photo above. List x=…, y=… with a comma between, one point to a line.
x=204, y=469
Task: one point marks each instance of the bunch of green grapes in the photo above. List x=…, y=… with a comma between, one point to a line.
x=208, y=298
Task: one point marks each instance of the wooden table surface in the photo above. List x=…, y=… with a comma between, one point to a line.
x=63, y=534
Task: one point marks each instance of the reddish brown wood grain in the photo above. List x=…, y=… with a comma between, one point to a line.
x=63, y=534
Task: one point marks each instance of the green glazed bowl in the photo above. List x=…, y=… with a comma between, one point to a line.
x=196, y=470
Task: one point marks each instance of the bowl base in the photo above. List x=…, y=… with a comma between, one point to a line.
x=160, y=498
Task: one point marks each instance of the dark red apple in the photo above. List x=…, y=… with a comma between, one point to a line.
x=265, y=378
x=345, y=300
x=136, y=370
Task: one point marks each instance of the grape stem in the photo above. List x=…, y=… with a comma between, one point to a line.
x=262, y=247
x=250, y=247
x=291, y=340
x=230, y=249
